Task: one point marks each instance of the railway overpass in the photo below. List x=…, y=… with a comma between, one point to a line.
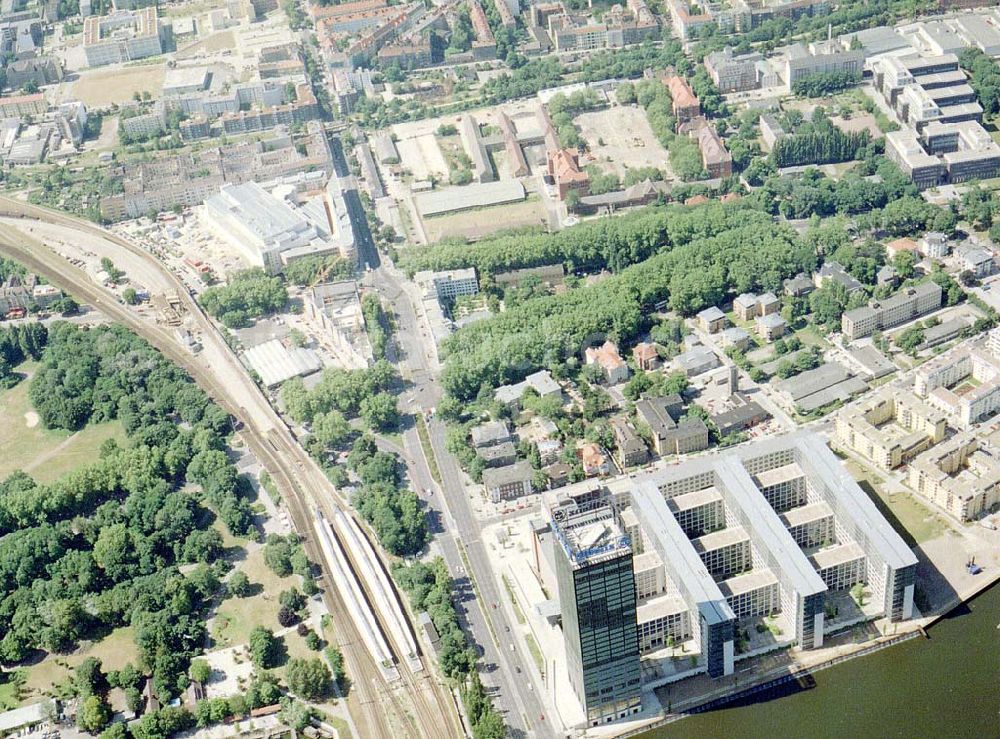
x=417, y=704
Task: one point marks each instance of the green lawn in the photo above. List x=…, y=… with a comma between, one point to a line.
x=536, y=653
x=812, y=336
x=80, y=449
x=236, y=617
x=11, y=694
x=19, y=442
x=911, y=519
x=513, y=600
x=45, y=454
x=115, y=651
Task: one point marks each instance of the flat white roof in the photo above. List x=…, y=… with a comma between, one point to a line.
x=185, y=76
x=262, y=214
x=679, y=555
x=24, y=716
x=439, y=202
x=275, y=362
x=855, y=502
x=771, y=533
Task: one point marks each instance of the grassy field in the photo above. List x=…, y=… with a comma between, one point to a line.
x=11, y=690
x=911, y=519
x=475, y=224
x=214, y=43
x=812, y=336
x=79, y=449
x=99, y=89
x=45, y=454
x=115, y=651
x=236, y=617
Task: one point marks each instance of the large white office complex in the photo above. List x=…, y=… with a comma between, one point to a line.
x=271, y=231
x=943, y=139
x=775, y=533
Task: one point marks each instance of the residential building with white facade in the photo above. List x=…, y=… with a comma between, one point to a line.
x=905, y=305
x=122, y=36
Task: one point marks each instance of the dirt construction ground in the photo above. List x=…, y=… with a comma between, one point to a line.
x=628, y=141
x=98, y=89
x=475, y=224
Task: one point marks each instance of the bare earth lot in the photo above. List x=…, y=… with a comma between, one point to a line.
x=100, y=88
x=422, y=156
x=215, y=42
x=628, y=140
x=474, y=224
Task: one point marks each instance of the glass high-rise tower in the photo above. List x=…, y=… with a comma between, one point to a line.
x=593, y=564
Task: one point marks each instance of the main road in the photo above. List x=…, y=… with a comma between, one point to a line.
x=504, y=671
x=421, y=705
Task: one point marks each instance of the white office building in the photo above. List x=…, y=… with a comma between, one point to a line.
x=448, y=284
x=268, y=232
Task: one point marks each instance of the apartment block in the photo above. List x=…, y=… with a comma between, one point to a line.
x=563, y=167
x=618, y=27
x=189, y=179
x=660, y=416
x=749, y=306
x=712, y=319
x=609, y=360
x=960, y=476
x=878, y=315
x=508, y=482
x=122, y=36
x=448, y=284
x=20, y=106
x=738, y=16
x=336, y=308
x=630, y=448
x=715, y=157
x=685, y=103
x=964, y=382
x=890, y=428
x=733, y=72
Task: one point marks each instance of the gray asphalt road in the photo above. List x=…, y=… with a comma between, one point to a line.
x=453, y=519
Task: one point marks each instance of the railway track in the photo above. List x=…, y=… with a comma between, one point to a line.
x=275, y=447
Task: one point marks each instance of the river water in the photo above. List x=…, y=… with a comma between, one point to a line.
x=944, y=687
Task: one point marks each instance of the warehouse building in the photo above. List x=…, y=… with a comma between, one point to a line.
x=274, y=362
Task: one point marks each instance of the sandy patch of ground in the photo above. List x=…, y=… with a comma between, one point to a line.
x=100, y=88
x=31, y=419
x=475, y=224
x=620, y=138
x=856, y=123
x=422, y=156
x=216, y=42
x=229, y=668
